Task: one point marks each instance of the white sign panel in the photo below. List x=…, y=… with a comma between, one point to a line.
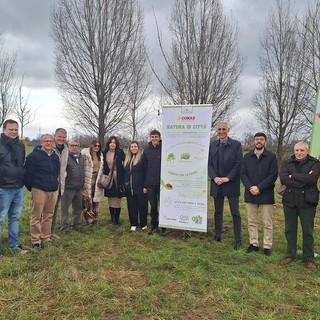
x=184, y=167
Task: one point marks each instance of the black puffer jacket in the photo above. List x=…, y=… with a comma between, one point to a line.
x=304, y=174
x=12, y=156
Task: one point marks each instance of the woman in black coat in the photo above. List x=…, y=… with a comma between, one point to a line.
x=300, y=175
x=113, y=158
x=137, y=200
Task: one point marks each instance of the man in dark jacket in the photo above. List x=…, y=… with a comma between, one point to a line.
x=73, y=188
x=225, y=156
x=152, y=160
x=41, y=178
x=259, y=172
x=12, y=155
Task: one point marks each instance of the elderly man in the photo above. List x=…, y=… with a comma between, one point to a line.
x=259, y=171
x=12, y=155
x=42, y=169
x=73, y=188
x=61, y=149
x=225, y=156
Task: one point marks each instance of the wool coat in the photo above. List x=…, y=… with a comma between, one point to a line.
x=232, y=158
x=261, y=172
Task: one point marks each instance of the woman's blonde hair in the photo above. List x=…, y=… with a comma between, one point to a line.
x=129, y=154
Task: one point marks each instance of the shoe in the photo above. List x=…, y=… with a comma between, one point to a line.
x=133, y=228
x=215, y=239
x=144, y=228
x=252, y=248
x=286, y=261
x=18, y=249
x=267, y=252
x=310, y=265
x=55, y=236
x=153, y=231
x=37, y=247
x=163, y=232
x=237, y=245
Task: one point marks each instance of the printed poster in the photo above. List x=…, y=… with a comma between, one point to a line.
x=184, y=167
x=315, y=137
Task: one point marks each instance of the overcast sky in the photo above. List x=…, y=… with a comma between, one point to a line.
x=25, y=27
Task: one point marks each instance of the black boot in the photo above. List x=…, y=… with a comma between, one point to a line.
x=118, y=210
x=113, y=215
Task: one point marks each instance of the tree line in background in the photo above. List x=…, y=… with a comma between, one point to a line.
x=104, y=71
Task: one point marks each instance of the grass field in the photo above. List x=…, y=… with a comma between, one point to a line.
x=108, y=272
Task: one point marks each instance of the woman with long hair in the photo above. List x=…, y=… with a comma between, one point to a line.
x=93, y=168
x=113, y=158
x=137, y=200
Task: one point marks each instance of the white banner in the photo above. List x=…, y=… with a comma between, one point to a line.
x=184, y=167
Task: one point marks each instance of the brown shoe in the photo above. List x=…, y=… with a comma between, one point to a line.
x=287, y=261
x=310, y=265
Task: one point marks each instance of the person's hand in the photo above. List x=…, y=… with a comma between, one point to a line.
x=145, y=190
x=254, y=190
x=225, y=179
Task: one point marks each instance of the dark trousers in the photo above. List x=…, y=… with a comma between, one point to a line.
x=74, y=197
x=153, y=197
x=236, y=217
x=306, y=216
x=138, y=208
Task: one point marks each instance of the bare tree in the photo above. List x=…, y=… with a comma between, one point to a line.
x=99, y=45
x=282, y=92
x=205, y=65
x=24, y=114
x=7, y=82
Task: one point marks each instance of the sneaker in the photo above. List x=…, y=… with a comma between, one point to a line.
x=133, y=228
x=144, y=228
x=55, y=236
x=267, y=252
x=37, y=246
x=252, y=248
x=18, y=249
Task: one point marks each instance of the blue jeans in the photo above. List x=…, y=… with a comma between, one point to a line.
x=11, y=203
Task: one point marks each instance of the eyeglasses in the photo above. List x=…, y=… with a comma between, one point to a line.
x=74, y=145
x=47, y=141
x=97, y=145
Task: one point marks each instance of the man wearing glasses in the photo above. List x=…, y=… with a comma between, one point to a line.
x=225, y=157
x=73, y=188
x=42, y=169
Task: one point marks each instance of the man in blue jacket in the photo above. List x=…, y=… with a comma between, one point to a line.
x=259, y=172
x=42, y=170
x=12, y=155
x=225, y=156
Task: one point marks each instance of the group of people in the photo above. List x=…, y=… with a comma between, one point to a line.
x=57, y=173
x=258, y=171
